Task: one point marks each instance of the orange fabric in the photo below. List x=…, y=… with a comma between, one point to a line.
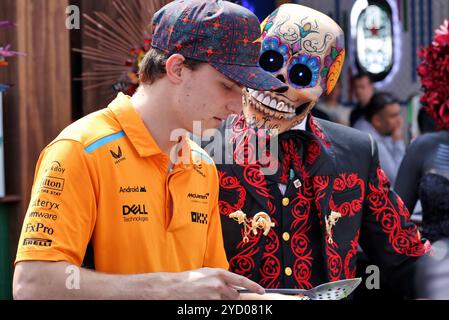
x=105, y=179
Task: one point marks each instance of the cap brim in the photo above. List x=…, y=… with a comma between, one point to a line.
x=251, y=77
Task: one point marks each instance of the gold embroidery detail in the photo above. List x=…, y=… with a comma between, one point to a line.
x=259, y=221
x=330, y=223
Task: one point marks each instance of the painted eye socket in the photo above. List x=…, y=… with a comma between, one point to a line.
x=300, y=75
x=304, y=71
x=271, y=61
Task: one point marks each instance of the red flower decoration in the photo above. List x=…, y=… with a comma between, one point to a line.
x=434, y=73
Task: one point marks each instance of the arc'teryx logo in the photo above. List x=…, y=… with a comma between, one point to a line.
x=45, y=204
x=118, y=156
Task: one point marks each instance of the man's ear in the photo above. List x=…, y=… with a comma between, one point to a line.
x=174, y=67
x=376, y=121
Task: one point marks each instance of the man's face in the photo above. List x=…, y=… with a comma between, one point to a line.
x=303, y=48
x=208, y=96
x=389, y=119
x=363, y=90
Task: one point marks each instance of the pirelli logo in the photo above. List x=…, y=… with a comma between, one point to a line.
x=37, y=242
x=198, y=217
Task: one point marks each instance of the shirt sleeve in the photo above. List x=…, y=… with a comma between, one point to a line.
x=388, y=237
x=61, y=215
x=409, y=175
x=215, y=256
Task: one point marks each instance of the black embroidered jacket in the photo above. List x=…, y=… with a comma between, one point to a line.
x=338, y=172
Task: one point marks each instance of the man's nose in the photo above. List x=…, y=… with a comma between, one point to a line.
x=235, y=105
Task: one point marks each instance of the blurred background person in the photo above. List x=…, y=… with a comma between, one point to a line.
x=363, y=91
x=426, y=123
x=424, y=172
x=331, y=106
x=385, y=123
x=419, y=121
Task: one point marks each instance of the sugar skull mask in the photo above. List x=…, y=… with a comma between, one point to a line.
x=305, y=49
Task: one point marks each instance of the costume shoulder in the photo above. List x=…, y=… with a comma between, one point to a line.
x=430, y=140
x=347, y=138
x=91, y=128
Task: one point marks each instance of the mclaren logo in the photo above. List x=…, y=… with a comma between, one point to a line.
x=198, y=196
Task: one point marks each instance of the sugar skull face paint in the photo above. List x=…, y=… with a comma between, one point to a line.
x=305, y=49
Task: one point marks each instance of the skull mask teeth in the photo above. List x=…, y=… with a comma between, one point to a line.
x=305, y=49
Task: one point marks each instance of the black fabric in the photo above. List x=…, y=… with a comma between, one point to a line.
x=89, y=261
x=320, y=114
x=429, y=153
x=434, y=196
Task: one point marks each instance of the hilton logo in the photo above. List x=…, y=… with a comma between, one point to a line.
x=52, y=183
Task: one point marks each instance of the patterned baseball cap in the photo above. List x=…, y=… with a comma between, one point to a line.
x=218, y=32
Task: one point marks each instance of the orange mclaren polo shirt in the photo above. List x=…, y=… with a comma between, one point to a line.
x=104, y=180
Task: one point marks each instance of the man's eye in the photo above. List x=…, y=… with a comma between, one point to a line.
x=227, y=86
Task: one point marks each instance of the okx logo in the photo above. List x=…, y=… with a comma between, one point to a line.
x=118, y=156
x=135, y=212
x=198, y=217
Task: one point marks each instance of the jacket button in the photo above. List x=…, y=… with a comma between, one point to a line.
x=285, y=202
x=288, y=271
x=286, y=236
